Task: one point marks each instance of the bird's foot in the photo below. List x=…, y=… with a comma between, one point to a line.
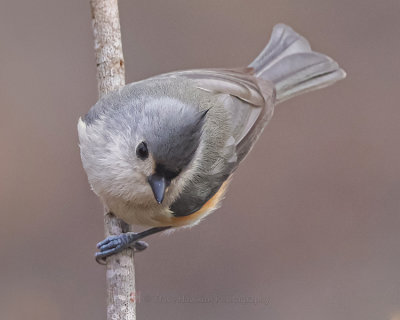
x=115, y=244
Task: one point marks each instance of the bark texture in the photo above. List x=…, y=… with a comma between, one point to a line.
x=120, y=277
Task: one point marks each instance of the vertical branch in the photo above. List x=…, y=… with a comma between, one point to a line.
x=121, y=304
x=108, y=45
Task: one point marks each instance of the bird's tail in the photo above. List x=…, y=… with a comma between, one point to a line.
x=292, y=66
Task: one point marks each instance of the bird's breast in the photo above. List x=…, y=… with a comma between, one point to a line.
x=157, y=215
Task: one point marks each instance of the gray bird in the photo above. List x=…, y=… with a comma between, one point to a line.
x=160, y=152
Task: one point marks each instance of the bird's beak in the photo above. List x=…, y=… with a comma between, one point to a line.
x=158, y=184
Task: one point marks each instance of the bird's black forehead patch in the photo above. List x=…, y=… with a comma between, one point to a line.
x=166, y=172
x=176, y=139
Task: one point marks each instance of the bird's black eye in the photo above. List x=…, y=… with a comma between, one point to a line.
x=141, y=151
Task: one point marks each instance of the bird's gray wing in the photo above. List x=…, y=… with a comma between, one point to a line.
x=249, y=103
x=248, y=100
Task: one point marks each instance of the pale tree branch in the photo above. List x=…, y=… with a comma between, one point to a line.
x=120, y=277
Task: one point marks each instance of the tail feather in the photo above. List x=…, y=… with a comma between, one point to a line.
x=292, y=66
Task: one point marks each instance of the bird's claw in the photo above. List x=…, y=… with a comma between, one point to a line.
x=139, y=246
x=115, y=244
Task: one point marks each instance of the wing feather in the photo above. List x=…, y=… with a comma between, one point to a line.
x=249, y=101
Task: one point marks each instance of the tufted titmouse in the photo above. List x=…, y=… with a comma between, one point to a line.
x=160, y=152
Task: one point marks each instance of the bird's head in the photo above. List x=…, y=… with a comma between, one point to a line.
x=140, y=153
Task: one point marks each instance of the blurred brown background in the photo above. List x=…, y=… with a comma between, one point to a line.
x=310, y=227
